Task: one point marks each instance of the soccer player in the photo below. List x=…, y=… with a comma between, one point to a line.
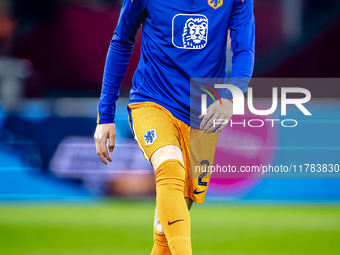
x=181, y=39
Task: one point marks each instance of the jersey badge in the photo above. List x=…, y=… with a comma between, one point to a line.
x=150, y=136
x=215, y=3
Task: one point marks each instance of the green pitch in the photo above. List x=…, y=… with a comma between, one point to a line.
x=126, y=228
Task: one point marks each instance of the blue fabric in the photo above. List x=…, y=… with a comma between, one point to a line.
x=170, y=56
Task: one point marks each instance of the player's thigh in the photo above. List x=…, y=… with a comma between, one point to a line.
x=155, y=131
x=165, y=153
x=200, y=154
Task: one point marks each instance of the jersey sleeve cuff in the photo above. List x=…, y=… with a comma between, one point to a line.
x=228, y=95
x=105, y=120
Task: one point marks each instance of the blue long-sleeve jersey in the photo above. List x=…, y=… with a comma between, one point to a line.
x=181, y=39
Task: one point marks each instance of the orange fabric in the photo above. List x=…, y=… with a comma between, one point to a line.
x=160, y=246
x=172, y=131
x=171, y=206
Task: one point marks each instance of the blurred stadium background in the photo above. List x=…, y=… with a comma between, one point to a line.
x=56, y=197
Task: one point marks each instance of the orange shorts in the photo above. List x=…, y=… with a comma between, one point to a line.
x=153, y=127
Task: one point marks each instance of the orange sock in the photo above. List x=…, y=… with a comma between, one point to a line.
x=160, y=245
x=171, y=207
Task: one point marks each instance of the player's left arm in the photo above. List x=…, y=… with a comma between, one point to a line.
x=242, y=34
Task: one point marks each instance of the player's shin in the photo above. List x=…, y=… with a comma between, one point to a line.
x=171, y=206
x=160, y=246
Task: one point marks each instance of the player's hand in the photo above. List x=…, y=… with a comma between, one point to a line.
x=104, y=132
x=214, y=112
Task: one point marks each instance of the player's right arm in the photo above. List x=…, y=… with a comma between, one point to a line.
x=131, y=16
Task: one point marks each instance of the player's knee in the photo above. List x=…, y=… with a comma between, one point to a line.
x=171, y=174
x=164, y=153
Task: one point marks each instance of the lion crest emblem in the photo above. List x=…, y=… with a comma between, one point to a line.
x=215, y=3
x=195, y=33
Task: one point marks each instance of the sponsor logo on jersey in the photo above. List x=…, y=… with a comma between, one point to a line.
x=190, y=31
x=150, y=136
x=215, y=3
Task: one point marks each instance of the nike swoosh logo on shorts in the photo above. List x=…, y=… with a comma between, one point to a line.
x=198, y=192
